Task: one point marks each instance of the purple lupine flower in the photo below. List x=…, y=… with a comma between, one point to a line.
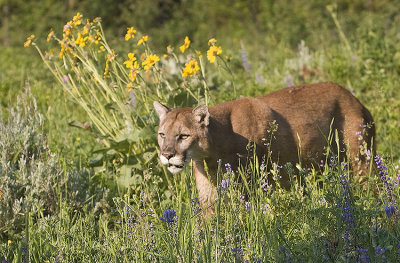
x=245, y=61
x=224, y=184
x=390, y=210
x=380, y=253
x=362, y=255
x=195, y=205
x=382, y=170
x=289, y=81
x=168, y=215
x=288, y=256
x=398, y=249
x=349, y=223
x=228, y=168
x=238, y=252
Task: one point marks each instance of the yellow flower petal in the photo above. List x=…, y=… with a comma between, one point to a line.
x=28, y=41
x=51, y=33
x=185, y=45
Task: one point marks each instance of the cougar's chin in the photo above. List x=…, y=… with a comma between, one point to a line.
x=175, y=168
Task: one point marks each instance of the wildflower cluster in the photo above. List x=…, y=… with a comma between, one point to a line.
x=346, y=203
x=390, y=207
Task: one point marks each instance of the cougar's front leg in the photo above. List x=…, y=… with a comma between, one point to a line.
x=206, y=189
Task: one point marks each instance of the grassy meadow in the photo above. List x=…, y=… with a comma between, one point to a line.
x=80, y=180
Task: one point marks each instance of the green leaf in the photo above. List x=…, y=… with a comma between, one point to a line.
x=97, y=160
x=126, y=179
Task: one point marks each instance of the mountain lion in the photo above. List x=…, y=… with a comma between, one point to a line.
x=303, y=116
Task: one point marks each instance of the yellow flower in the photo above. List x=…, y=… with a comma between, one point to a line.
x=190, y=68
x=86, y=28
x=129, y=63
x=132, y=73
x=185, y=45
x=78, y=139
x=107, y=69
x=81, y=41
x=28, y=41
x=101, y=49
x=213, y=52
x=97, y=38
x=77, y=19
x=90, y=39
x=9, y=242
x=65, y=46
x=198, y=53
x=212, y=41
x=150, y=61
x=51, y=33
x=130, y=33
x=169, y=49
x=142, y=40
x=67, y=28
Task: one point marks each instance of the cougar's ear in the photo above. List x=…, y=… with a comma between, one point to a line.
x=160, y=109
x=201, y=114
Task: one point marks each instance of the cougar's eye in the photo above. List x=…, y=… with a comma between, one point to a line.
x=161, y=134
x=183, y=136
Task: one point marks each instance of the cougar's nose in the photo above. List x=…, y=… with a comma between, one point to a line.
x=167, y=155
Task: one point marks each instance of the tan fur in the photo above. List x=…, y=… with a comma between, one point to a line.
x=223, y=131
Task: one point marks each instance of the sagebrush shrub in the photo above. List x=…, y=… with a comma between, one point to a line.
x=29, y=172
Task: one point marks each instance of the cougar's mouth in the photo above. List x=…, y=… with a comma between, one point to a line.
x=175, y=168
